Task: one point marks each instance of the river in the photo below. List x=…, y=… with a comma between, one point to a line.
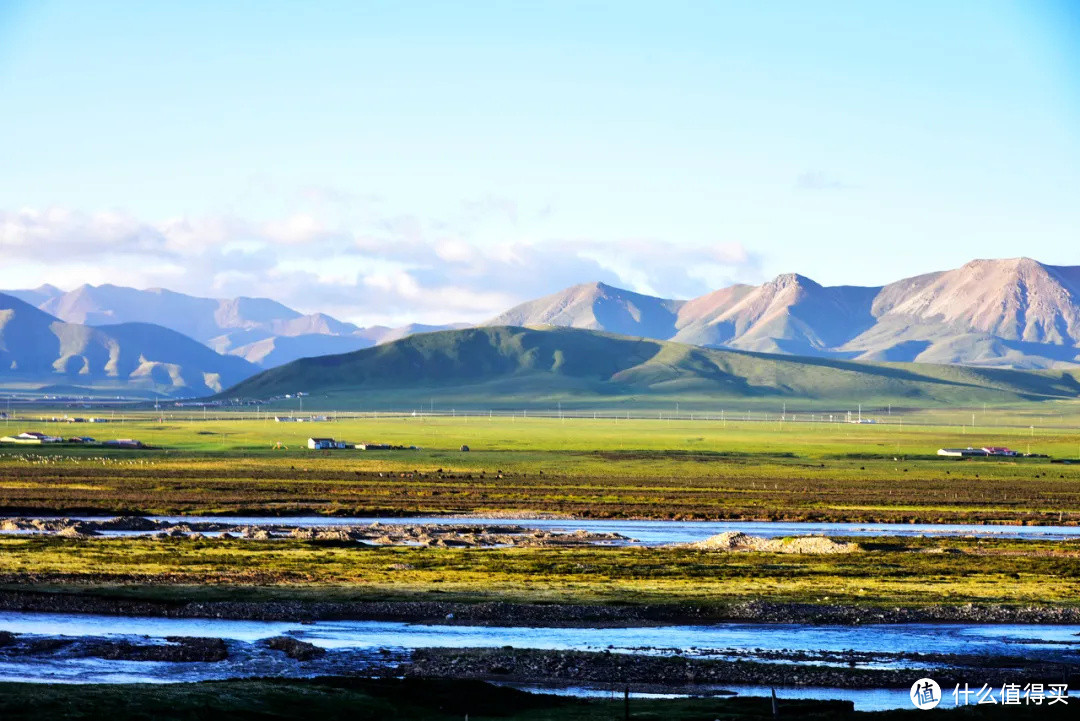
x=355, y=646
x=649, y=532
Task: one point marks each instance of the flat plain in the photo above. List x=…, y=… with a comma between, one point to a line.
x=754, y=463
x=785, y=468
x=707, y=467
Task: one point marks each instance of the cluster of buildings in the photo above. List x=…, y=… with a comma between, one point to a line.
x=71, y=419
x=297, y=419
x=32, y=437
x=977, y=452
x=326, y=444
x=36, y=438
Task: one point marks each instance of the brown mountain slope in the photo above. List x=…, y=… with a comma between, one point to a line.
x=1006, y=313
x=597, y=306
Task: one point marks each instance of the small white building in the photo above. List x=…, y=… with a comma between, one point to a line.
x=961, y=452
x=322, y=444
x=32, y=437
x=125, y=443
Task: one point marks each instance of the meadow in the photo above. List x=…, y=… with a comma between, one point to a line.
x=887, y=573
x=788, y=468
x=603, y=467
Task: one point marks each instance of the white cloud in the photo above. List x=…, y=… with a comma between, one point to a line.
x=455, y=251
x=27, y=233
x=298, y=229
x=817, y=180
x=389, y=268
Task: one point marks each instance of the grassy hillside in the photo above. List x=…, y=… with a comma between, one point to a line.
x=523, y=366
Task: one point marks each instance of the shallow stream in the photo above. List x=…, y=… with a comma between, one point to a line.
x=358, y=646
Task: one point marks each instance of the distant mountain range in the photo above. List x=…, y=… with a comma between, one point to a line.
x=1015, y=313
x=259, y=330
x=39, y=350
x=514, y=367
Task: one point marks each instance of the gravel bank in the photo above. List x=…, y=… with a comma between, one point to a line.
x=547, y=615
x=463, y=535
x=538, y=666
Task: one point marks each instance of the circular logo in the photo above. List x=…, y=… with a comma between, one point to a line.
x=925, y=694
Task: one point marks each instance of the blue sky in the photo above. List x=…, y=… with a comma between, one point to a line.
x=393, y=161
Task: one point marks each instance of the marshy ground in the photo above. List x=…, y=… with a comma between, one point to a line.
x=603, y=468
x=582, y=468
x=885, y=573
x=422, y=700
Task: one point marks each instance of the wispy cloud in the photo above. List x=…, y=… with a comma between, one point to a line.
x=392, y=267
x=818, y=180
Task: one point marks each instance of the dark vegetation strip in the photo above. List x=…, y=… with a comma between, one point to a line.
x=677, y=488
x=351, y=699
x=542, y=665
x=264, y=604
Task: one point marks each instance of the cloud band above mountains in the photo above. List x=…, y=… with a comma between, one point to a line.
x=384, y=268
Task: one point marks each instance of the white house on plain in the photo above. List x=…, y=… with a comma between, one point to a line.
x=321, y=444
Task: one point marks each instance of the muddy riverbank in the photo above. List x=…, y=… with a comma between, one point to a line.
x=670, y=659
x=558, y=666
x=81, y=659
x=646, y=532
x=428, y=535
x=541, y=615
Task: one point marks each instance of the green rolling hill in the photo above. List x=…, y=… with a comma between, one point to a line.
x=505, y=366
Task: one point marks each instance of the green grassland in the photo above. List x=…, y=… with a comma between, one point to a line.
x=510, y=367
x=602, y=467
x=1051, y=429
x=886, y=573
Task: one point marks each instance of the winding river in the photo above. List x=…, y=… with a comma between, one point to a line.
x=652, y=533
x=358, y=646
x=354, y=646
